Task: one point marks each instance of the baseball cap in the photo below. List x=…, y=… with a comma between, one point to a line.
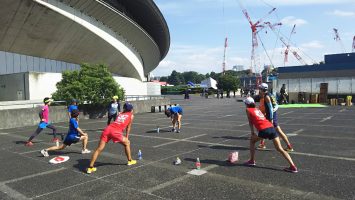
x=75, y=113
x=115, y=97
x=128, y=107
x=263, y=86
x=47, y=99
x=74, y=101
x=249, y=101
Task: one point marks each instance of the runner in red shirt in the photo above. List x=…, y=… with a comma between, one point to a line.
x=114, y=132
x=266, y=130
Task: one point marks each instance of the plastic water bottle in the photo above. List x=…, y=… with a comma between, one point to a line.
x=178, y=161
x=57, y=143
x=198, y=164
x=139, y=154
x=158, y=129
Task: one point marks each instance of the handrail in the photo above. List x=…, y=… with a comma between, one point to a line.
x=143, y=97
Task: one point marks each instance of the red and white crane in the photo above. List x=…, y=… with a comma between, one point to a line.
x=288, y=45
x=337, y=39
x=255, y=28
x=224, y=55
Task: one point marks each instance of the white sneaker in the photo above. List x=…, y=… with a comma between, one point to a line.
x=44, y=153
x=85, y=151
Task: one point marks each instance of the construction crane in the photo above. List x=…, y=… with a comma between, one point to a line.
x=353, y=47
x=337, y=39
x=288, y=45
x=255, y=28
x=224, y=55
x=297, y=56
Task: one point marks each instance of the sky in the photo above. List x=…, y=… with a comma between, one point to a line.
x=198, y=29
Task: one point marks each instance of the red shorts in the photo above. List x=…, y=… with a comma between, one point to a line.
x=111, y=133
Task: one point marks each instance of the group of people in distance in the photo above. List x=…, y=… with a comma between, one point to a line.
x=264, y=119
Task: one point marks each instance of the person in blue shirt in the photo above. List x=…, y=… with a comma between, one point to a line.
x=113, y=109
x=75, y=134
x=73, y=106
x=175, y=113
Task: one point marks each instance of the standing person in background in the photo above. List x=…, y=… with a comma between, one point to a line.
x=175, y=113
x=283, y=94
x=44, y=123
x=113, y=109
x=268, y=106
x=73, y=106
x=265, y=131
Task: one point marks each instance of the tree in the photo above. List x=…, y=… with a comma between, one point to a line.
x=163, y=79
x=175, y=78
x=92, y=83
x=228, y=82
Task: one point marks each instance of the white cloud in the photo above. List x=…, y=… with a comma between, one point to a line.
x=312, y=45
x=291, y=20
x=341, y=13
x=200, y=59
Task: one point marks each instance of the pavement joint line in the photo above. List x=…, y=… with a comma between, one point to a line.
x=316, y=125
x=280, y=189
x=287, y=113
x=224, y=116
x=322, y=156
x=34, y=175
x=180, y=140
x=12, y=193
x=294, y=133
x=243, y=124
x=4, y=133
x=327, y=137
x=326, y=118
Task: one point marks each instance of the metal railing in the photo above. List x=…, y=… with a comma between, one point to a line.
x=6, y=105
x=143, y=97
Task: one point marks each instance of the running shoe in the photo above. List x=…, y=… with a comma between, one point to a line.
x=131, y=162
x=29, y=143
x=250, y=163
x=90, y=170
x=178, y=130
x=85, y=151
x=44, y=153
x=292, y=169
x=261, y=147
x=289, y=149
x=55, y=140
x=173, y=130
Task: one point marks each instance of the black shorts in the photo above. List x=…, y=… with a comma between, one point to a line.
x=268, y=133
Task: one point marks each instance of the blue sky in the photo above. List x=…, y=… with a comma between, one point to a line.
x=198, y=28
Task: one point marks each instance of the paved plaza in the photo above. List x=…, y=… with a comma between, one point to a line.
x=323, y=139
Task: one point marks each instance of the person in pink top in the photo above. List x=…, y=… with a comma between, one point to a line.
x=44, y=117
x=266, y=130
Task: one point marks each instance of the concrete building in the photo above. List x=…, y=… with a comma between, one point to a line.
x=41, y=38
x=337, y=72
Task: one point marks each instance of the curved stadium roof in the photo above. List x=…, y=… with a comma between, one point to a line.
x=131, y=36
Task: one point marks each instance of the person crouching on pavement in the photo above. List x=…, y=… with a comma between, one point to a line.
x=175, y=113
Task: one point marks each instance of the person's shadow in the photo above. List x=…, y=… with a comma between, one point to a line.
x=83, y=164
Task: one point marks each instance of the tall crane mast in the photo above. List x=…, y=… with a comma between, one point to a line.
x=288, y=45
x=255, y=28
x=353, y=47
x=337, y=39
x=224, y=55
